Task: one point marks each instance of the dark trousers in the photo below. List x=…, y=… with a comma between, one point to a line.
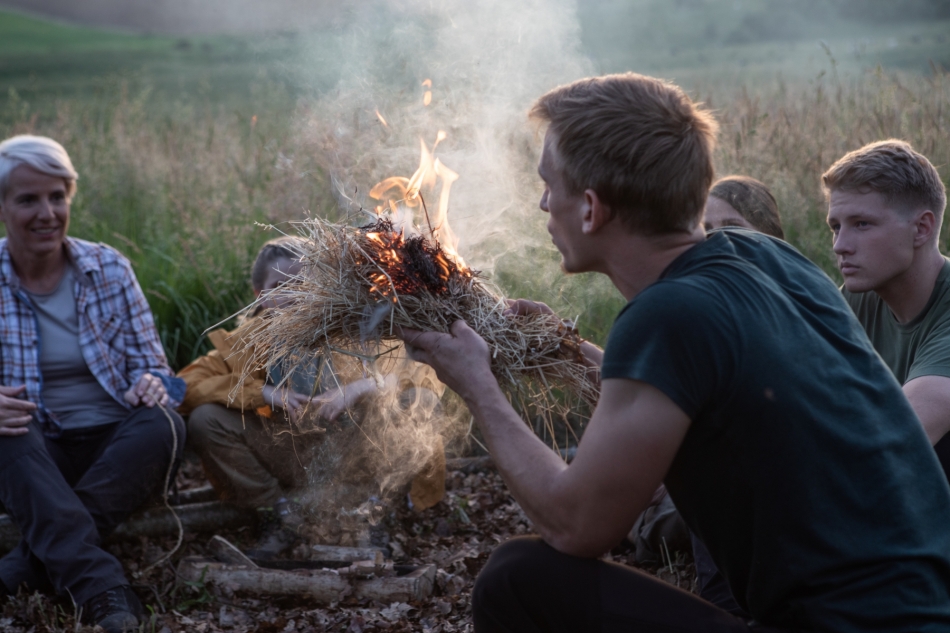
x=528, y=586
x=942, y=447
x=67, y=494
x=712, y=584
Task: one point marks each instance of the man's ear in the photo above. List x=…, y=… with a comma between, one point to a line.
x=596, y=213
x=927, y=227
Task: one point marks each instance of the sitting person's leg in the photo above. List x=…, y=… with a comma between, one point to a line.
x=428, y=486
x=253, y=468
x=712, y=584
x=129, y=465
x=659, y=531
x=529, y=586
x=248, y=466
x=60, y=542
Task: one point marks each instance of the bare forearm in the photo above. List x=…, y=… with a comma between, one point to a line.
x=930, y=398
x=592, y=357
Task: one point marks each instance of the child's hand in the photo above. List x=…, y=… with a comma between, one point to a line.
x=290, y=401
x=332, y=403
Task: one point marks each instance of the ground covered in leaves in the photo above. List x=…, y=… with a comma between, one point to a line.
x=457, y=536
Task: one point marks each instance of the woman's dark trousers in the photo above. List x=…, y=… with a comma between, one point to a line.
x=67, y=494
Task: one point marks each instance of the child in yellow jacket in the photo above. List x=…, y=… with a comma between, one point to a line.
x=231, y=423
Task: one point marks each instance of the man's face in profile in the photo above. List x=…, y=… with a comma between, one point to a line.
x=564, y=209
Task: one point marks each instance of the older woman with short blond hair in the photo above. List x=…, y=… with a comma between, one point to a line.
x=87, y=430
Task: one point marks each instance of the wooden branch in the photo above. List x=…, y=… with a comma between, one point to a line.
x=323, y=586
x=226, y=552
x=337, y=554
x=416, y=585
x=204, y=517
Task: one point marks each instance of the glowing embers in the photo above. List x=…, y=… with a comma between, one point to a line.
x=410, y=266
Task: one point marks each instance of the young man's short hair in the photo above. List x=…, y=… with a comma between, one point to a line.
x=639, y=142
x=892, y=168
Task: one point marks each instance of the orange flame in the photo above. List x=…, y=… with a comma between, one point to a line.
x=427, y=96
x=404, y=196
x=401, y=259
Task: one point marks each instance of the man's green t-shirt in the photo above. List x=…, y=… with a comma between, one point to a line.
x=918, y=348
x=805, y=471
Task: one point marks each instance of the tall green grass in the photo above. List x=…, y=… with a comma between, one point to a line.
x=786, y=135
x=183, y=195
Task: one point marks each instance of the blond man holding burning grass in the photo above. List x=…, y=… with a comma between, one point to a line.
x=737, y=375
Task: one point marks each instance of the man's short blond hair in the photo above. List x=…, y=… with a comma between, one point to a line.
x=639, y=142
x=892, y=168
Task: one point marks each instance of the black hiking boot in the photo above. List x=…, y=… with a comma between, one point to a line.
x=116, y=610
x=279, y=531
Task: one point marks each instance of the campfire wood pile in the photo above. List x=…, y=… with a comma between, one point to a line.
x=334, y=574
x=360, y=285
x=456, y=537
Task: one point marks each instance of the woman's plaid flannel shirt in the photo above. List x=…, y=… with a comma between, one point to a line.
x=117, y=334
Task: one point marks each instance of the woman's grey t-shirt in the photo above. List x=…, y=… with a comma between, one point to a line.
x=70, y=391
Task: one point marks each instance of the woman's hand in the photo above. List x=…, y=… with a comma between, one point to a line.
x=148, y=391
x=15, y=414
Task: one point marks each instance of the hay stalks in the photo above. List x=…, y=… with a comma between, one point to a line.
x=358, y=285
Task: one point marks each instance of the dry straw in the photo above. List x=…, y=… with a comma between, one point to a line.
x=359, y=285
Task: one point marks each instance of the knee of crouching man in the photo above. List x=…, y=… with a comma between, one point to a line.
x=511, y=564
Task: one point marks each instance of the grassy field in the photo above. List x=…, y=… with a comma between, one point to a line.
x=184, y=145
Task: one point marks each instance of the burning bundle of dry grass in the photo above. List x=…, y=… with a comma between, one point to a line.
x=358, y=285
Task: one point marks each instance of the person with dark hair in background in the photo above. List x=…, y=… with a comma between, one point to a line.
x=745, y=202
x=736, y=374
x=87, y=426
x=885, y=210
x=234, y=419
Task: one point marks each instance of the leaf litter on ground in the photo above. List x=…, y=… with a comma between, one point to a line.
x=457, y=535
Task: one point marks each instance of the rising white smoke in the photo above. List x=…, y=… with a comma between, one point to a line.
x=487, y=62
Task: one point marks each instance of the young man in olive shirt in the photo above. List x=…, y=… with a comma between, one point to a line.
x=737, y=375
x=886, y=204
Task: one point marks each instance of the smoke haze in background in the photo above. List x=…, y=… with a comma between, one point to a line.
x=187, y=17
x=487, y=62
